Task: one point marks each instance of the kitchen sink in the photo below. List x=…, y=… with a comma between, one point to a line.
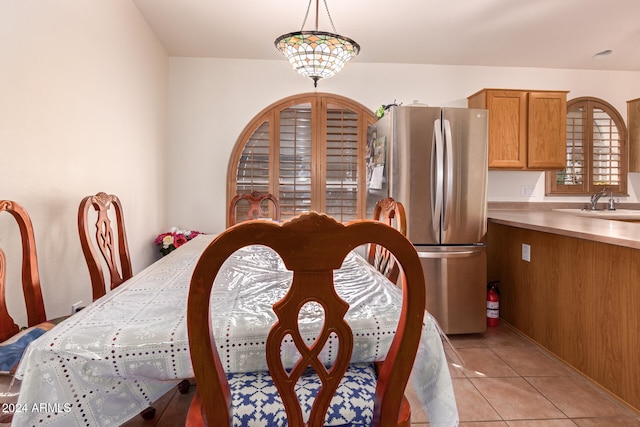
x=619, y=214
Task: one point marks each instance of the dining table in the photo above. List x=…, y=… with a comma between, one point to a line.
x=108, y=362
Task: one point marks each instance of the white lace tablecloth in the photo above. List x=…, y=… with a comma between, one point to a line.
x=108, y=362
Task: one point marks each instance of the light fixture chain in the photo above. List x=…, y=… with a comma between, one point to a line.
x=329, y=15
x=306, y=15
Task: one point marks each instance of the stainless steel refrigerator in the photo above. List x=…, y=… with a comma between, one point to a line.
x=434, y=161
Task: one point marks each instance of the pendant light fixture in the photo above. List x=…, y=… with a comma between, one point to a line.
x=317, y=54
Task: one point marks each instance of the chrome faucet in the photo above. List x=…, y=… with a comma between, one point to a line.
x=595, y=197
x=612, y=204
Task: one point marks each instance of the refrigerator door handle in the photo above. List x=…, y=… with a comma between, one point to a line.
x=437, y=166
x=448, y=186
x=441, y=254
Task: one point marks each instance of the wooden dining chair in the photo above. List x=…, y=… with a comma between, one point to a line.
x=257, y=205
x=112, y=246
x=113, y=250
x=13, y=339
x=391, y=213
x=313, y=246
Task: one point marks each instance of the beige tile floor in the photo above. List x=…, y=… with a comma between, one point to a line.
x=509, y=381
x=506, y=381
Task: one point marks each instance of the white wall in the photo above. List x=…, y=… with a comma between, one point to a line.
x=211, y=100
x=83, y=108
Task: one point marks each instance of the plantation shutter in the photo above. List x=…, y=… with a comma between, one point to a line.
x=607, y=150
x=341, y=159
x=253, y=170
x=295, y=161
x=575, y=178
x=308, y=151
x=596, y=150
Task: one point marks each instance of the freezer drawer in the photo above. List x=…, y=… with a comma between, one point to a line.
x=456, y=287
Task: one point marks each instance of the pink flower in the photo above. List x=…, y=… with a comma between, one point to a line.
x=179, y=240
x=160, y=238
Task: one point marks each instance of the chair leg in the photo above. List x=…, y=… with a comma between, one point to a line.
x=148, y=413
x=183, y=387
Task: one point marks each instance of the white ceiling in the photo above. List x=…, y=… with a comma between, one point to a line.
x=518, y=33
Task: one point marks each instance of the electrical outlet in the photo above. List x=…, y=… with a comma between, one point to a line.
x=76, y=307
x=526, y=252
x=527, y=190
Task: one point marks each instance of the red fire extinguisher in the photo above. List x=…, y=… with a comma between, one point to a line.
x=493, y=304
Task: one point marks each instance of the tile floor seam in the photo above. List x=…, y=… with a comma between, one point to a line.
x=504, y=418
x=548, y=399
x=487, y=400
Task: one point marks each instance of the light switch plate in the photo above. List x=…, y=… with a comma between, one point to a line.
x=526, y=252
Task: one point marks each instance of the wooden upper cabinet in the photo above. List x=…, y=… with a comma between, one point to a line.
x=633, y=127
x=526, y=128
x=547, y=130
x=507, y=126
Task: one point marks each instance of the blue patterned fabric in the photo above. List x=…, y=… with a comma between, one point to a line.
x=256, y=401
x=10, y=354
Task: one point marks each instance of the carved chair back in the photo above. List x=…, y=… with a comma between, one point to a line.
x=30, y=276
x=109, y=243
x=391, y=213
x=312, y=246
x=257, y=202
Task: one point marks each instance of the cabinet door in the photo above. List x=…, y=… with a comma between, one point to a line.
x=507, y=128
x=633, y=128
x=546, y=134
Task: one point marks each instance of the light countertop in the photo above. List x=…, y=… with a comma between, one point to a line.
x=568, y=224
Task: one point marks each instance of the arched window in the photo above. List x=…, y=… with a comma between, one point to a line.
x=309, y=151
x=597, y=151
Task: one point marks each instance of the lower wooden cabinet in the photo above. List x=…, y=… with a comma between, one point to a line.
x=577, y=298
